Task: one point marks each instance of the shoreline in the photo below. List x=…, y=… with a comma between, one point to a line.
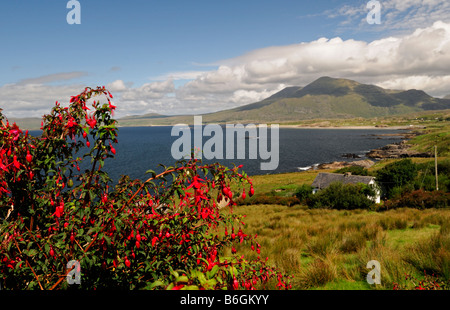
x=353, y=127
x=366, y=161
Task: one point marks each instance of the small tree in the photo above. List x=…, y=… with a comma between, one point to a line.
x=394, y=175
x=343, y=197
x=304, y=192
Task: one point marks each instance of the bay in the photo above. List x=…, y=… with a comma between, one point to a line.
x=142, y=148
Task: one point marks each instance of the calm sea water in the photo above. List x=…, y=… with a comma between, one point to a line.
x=142, y=148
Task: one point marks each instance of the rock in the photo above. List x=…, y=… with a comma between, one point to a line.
x=350, y=155
x=366, y=163
x=333, y=165
x=396, y=150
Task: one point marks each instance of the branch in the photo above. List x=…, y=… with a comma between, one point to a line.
x=28, y=264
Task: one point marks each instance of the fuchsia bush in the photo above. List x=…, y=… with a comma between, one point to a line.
x=165, y=233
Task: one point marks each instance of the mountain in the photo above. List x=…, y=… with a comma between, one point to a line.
x=325, y=98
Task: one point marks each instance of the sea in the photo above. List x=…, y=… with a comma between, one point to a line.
x=144, y=148
x=140, y=149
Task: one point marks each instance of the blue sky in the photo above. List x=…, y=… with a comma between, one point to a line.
x=175, y=57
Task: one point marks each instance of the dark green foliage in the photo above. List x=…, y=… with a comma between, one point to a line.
x=426, y=178
x=304, y=192
x=395, y=175
x=340, y=196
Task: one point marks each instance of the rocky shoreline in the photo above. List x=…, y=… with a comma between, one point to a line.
x=393, y=150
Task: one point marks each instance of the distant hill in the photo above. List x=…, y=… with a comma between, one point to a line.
x=325, y=98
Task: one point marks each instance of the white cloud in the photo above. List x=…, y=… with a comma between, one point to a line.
x=34, y=100
x=116, y=86
x=419, y=59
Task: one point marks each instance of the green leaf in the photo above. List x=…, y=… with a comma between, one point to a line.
x=213, y=271
x=153, y=173
x=156, y=284
x=182, y=279
x=190, y=288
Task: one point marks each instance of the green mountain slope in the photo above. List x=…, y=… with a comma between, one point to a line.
x=331, y=98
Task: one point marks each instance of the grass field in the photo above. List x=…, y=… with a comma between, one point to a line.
x=329, y=249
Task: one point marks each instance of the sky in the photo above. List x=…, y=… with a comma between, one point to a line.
x=193, y=57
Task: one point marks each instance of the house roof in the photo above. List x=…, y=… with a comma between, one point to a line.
x=324, y=180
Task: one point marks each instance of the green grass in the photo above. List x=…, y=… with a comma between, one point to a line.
x=329, y=249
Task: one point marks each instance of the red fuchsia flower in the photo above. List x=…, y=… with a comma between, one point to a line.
x=127, y=262
x=154, y=240
x=243, y=194
x=29, y=157
x=91, y=122
x=15, y=133
x=235, y=283
x=178, y=287
x=71, y=123
x=16, y=163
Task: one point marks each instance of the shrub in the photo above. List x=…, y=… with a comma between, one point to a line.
x=419, y=199
x=342, y=196
x=304, y=192
x=396, y=174
x=427, y=178
x=163, y=233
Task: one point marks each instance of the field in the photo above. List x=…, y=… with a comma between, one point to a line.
x=329, y=249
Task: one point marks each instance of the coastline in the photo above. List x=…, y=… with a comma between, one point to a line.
x=353, y=127
x=391, y=150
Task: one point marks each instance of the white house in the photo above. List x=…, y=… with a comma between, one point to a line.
x=323, y=180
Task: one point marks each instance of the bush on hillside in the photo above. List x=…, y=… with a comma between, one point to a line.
x=343, y=197
x=394, y=175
